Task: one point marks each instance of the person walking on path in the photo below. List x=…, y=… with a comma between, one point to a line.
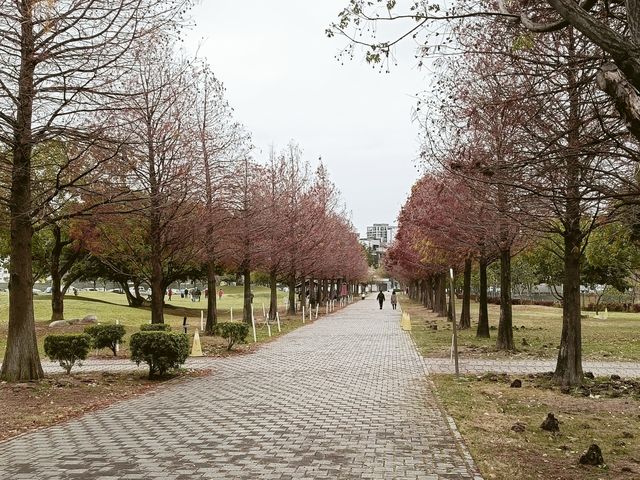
x=169, y=293
x=394, y=300
x=381, y=299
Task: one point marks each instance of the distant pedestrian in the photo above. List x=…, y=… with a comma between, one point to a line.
x=220, y=294
x=169, y=293
x=186, y=293
x=394, y=300
x=381, y=299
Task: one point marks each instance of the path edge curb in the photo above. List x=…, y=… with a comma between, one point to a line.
x=457, y=436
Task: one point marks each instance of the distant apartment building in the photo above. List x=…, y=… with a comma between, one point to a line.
x=378, y=231
x=391, y=233
x=383, y=232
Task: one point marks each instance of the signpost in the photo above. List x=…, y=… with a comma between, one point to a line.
x=452, y=298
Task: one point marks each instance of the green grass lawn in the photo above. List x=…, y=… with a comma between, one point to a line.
x=617, y=338
x=109, y=307
x=485, y=411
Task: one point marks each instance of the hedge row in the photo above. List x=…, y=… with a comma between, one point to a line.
x=614, y=307
x=520, y=301
x=154, y=345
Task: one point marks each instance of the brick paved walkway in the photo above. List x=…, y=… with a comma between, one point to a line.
x=479, y=366
x=345, y=397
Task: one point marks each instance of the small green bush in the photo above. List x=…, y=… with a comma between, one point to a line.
x=106, y=336
x=155, y=327
x=162, y=351
x=67, y=349
x=234, y=332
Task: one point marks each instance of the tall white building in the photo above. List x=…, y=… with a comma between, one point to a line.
x=391, y=233
x=379, y=231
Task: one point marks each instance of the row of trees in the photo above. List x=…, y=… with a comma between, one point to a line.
x=121, y=159
x=521, y=144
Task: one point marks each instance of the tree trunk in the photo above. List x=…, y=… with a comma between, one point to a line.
x=505, y=327
x=569, y=364
x=465, y=316
x=312, y=293
x=133, y=300
x=21, y=359
x=212, y=299
x=483, y=316
x=292, y=294
x=332, y=289
x=443, y=307
x=273, y=286
x=325, y=291
x=57, y=298
x=157, y=291
x=246, y=311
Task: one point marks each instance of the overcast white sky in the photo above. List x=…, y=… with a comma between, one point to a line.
x=284, y=82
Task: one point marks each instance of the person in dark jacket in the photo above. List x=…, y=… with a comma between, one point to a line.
x=381, y=299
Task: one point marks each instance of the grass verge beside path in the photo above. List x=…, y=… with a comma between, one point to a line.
x=485, y=408
x=28, y=406
x=109, y=307
x=536, y=334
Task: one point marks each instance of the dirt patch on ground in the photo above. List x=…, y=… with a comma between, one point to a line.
x=501, y=426
x=58, y=398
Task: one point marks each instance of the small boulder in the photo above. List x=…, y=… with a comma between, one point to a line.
x=519, y=427
x=89, y=319
x=59, y=323
x=593, y=456
x=517, y=383
x=589, y=375
x=550, y=424
x=615, y=377
x=493, y=327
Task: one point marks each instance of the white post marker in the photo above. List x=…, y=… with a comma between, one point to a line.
x=269, y=329
x=264, y=312
x=231, y=314
x=253, y=324
x=326, y=308
x=202, y=320
x=278, y=319
x=317, y=308
x=303, y=314
x=117, y=343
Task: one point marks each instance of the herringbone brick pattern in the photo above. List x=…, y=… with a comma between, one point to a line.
x=343, y=398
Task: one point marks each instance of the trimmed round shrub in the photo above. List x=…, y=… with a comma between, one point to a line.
x=106, y=336
x=67, y=349
x=162, y=351
x=155, y=327
x=233, y=332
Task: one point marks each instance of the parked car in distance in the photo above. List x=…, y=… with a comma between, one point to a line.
x=37, y=291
